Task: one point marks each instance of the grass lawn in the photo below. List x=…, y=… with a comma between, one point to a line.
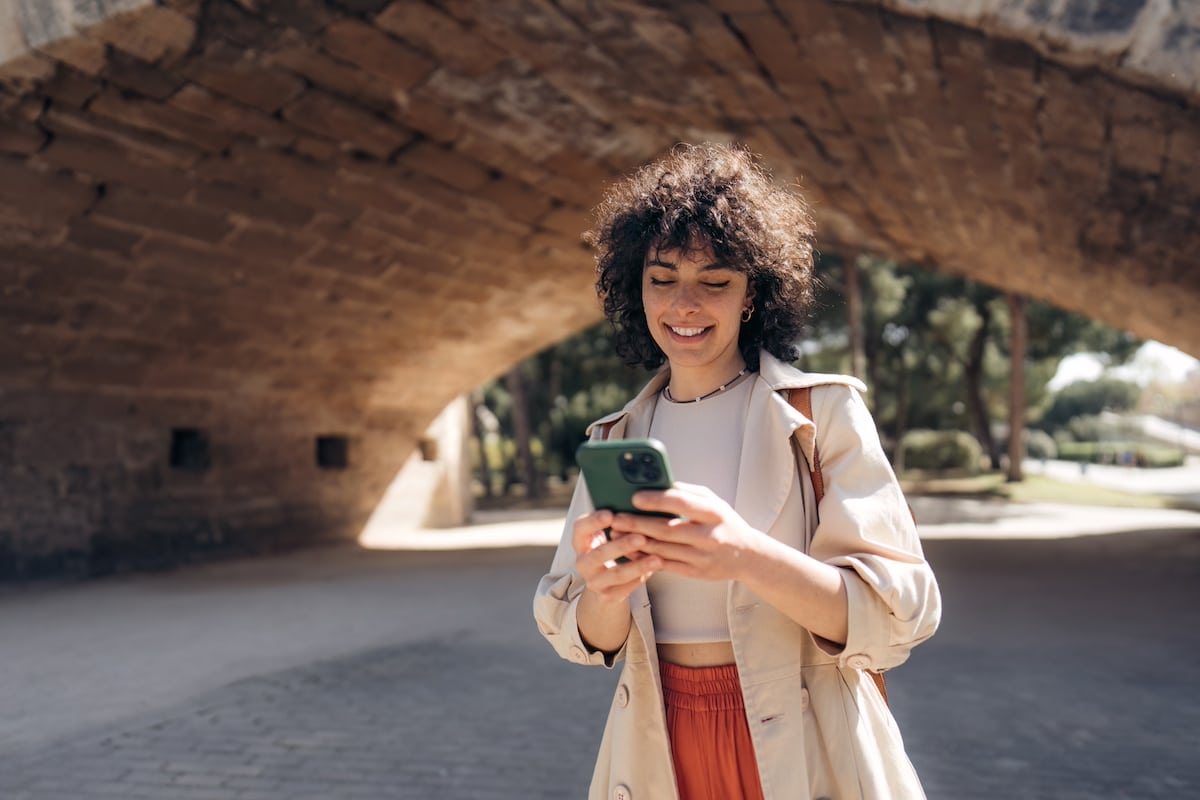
x=1034, y=489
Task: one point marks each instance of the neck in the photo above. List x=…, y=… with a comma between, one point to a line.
x=686, y=385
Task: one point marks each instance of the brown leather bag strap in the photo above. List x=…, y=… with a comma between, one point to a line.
x=605, y=429
x=801, y=400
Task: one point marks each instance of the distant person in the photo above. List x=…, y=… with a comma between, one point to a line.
x=747, y=623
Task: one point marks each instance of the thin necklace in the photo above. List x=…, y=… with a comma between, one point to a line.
x=716, y=391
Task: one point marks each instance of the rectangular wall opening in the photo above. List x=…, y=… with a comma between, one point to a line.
x=333, y=452
x=190, y=450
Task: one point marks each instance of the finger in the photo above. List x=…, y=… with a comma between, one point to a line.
x=664, y=529
x=694, y=488
x=596, y=520
x=671, y=552
x=588, y=530
x=607, y=553
x=613, y=575
x=681, y=503
x=640, y=523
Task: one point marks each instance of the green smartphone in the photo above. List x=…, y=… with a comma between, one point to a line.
x=616, y=469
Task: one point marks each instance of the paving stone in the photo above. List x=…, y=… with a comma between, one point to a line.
x=1042, y=682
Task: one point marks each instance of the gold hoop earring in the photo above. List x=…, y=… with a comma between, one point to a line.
x=747, y=313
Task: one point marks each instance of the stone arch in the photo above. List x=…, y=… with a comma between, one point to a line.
x=274, y=223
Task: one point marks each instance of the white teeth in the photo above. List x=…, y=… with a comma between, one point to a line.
x=686, y=331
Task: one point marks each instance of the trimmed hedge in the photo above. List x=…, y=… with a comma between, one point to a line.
x=1039, y=444
x=940, y=450
x=1131, y=454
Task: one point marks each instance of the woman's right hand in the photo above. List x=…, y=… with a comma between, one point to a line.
x=596, y=557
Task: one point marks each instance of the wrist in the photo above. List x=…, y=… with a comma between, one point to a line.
x=601, y=603
x=754, y=557
x=769, y=561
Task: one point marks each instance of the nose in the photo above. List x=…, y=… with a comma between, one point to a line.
x=685, y=299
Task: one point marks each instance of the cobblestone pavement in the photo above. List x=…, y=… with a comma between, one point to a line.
x=1065, y=668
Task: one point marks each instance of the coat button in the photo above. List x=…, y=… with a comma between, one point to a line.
x=622, y=793
x=577, y=655
x=859, y=661
x=622, y=695
x=804, y=700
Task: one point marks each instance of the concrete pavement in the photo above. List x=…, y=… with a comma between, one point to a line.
x=1181, y=483
x=1065, y=668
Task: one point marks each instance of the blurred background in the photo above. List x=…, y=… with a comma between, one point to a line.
x=937, y=354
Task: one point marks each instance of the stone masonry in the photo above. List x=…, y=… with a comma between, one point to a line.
x=248, y=249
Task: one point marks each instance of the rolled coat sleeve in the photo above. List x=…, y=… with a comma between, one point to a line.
x=865, y=527
x=556, y=602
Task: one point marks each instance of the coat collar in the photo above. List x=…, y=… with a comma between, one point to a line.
x=765, y=473
x=778, y=375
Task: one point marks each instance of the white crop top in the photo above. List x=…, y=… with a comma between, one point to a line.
x=704, y=446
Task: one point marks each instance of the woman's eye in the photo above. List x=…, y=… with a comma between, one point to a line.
x=721, y=285
x=660, y=282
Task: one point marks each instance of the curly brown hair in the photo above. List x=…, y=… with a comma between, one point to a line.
x=715, y=195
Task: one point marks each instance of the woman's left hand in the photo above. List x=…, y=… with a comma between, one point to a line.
x=706, y=539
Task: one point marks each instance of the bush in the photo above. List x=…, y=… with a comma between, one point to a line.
x=1130, y=454
x=1039, y=444
x=940, y=450
x=1085, y=398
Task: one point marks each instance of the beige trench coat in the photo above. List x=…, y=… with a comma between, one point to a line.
x=819, y=726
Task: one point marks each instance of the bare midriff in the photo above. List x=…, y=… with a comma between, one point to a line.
x=702, y=654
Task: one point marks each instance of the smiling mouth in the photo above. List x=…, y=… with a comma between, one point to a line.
x=686, y=332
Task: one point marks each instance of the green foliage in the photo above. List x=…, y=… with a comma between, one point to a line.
x=941, y=451
x=919, y=327
x=1125, y=453
x=1095, y=428
x=1039, y=444
x=567, y=386
x=1090, y=397
x=936, y=346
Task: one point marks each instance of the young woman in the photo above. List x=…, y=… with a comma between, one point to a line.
x=747, y=623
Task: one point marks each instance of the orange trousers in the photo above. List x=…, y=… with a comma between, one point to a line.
x=710, y=740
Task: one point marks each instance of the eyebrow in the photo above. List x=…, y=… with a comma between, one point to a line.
x=716, y=265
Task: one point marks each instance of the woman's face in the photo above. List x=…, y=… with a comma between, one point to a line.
x=694, y=308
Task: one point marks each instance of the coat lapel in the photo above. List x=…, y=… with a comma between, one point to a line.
x=767, y=471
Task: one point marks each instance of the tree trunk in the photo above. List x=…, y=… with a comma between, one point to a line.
x=1016, y=387
x=903, y=390
x=558, y=432
x=522, y=432
x=854, y=318
x=973, y=375
x=485, y=469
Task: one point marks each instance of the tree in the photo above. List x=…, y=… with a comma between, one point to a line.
x=938, y=352
x=1088, y=398
x=543, y=404
x=1016, y=403
x=522, y=432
